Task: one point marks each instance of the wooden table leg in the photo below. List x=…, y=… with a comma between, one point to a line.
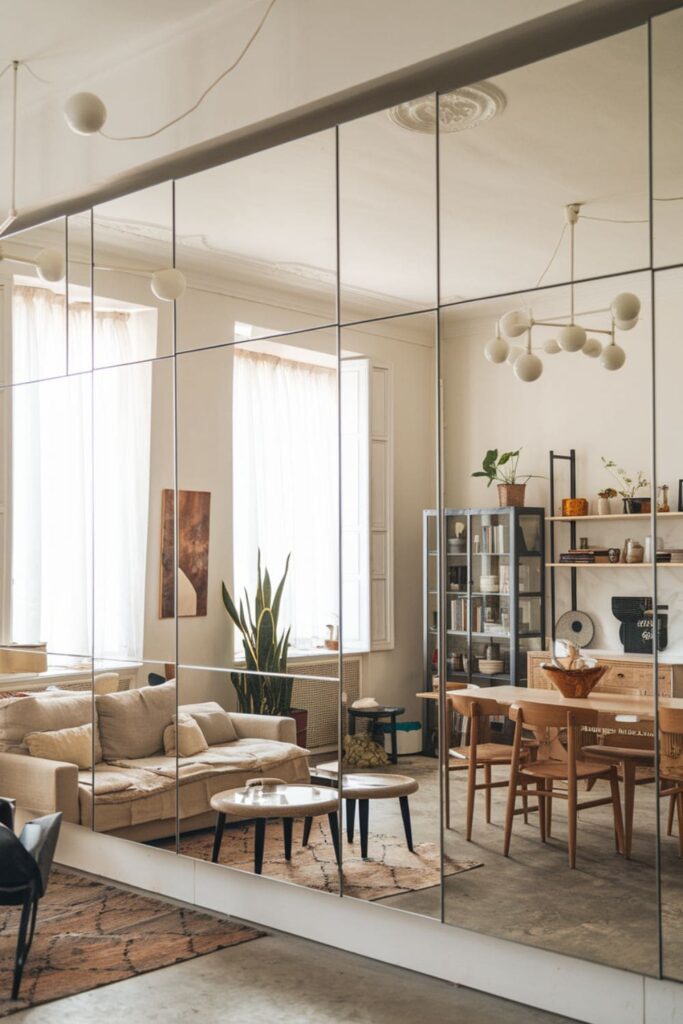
x=218, y=837
x=287, y=831
x=405, y=814
x=363, y=815
x=259, y=843
x=394, y=740
x=350, y=819
x=629, y=776
x=334, y=829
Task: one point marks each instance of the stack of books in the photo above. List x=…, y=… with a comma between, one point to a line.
x=585, y=556
x=493, y=540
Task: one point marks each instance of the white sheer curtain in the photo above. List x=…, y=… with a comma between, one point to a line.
x=285, y=485
x=63, y=559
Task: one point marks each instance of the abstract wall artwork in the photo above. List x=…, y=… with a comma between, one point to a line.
x=194, y=508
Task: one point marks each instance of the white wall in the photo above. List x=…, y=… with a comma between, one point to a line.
x=575, y=404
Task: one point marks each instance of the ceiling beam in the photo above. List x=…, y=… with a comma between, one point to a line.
x=565, y=29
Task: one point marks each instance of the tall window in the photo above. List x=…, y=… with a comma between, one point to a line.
x=285, y=485
x=54, y=490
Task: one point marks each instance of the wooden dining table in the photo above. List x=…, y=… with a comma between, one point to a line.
x=615, y=710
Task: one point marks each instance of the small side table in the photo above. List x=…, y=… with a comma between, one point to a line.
x=376, y=715
x=276, y=800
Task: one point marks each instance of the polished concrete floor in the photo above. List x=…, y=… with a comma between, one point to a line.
x=282, y=980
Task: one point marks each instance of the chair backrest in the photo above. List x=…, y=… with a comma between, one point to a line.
x=553, y=715
x=671, y=721
x=475, y=706
x=18, y=869
x=155, y=679
x=7, y=808
x=39, y=837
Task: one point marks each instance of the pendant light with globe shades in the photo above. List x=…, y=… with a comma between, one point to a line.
x=571, y=337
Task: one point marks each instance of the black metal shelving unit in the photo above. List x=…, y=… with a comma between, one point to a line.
x=496, y=542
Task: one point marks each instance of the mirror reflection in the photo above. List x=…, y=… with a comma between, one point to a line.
x=390, y=784
x=551, y=757
x=256, y=242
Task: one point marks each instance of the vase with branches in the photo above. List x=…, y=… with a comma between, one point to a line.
x=264, y=688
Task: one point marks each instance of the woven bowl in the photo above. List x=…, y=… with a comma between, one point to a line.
x=575, y=682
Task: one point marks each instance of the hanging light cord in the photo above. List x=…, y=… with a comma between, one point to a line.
x=552, y=258
x=209, y=88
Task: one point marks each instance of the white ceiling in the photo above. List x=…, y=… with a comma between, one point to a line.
x=574, y=129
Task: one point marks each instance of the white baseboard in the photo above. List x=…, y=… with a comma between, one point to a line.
x=549, y=981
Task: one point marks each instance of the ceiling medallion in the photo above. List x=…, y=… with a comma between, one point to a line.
x=467, y=107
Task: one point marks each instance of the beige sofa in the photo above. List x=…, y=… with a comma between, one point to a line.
x=133, y=790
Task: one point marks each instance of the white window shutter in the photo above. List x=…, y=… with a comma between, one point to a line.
x=355, y=518
x=381, y=509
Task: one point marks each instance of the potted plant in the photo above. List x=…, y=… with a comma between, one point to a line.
x=264, y=688
x=604, y=496
x=502, y=469
x=629, y=487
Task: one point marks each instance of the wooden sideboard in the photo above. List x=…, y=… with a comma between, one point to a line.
x=628, y=673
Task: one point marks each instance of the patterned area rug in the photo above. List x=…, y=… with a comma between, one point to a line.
x=89, y=934
x=390, y=870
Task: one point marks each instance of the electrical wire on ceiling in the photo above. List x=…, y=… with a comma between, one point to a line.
x=86, y=113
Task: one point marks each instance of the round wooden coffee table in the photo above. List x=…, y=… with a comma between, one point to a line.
x=362, y=787
x=274, y=800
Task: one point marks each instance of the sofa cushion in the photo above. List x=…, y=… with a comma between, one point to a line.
x=132, y=722
x=214, y=722
x=72, y=746
x=47, y=711
x=184, y=737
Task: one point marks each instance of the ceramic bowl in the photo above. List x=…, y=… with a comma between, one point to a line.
x=490, y=667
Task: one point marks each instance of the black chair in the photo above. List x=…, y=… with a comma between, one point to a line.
x=154, y=679
x=25, y=863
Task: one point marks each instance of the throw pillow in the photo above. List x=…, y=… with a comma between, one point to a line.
x=189, y=737
x=362, y=752
x=73, y=746
x=214, y=722
x=132, y=722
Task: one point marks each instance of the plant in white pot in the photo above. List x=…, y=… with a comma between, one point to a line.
x=502, y=469
x=604, y=497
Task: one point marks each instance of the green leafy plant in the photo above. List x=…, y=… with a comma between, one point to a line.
x=629, y=485
x=264, y=688
x=502, y=469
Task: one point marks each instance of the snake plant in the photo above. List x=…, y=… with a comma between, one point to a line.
x=264, y=687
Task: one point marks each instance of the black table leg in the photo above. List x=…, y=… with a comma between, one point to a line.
x=259, y=842
x=405, y=814
x=334, y=829
x=394, y=741
x=287, y=829
x=217, y=837
x=363, y=814
x=352, y=725
x=350, y=819
x=307, y=831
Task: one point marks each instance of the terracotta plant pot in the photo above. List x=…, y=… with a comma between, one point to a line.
x=300, y=716
x=511, y=495
x=574, y=682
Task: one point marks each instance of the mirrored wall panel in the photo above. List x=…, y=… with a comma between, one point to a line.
x=518, y=149
x=550, y=787
x=392, y=834
x=669, y=527
x=133, y=275
x=667, y=139
x=256, y=245
x=387, y=212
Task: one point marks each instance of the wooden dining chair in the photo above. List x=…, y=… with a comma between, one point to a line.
x=544, y=772
x=671, y=765
x=477, y=712
x=634, y=757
